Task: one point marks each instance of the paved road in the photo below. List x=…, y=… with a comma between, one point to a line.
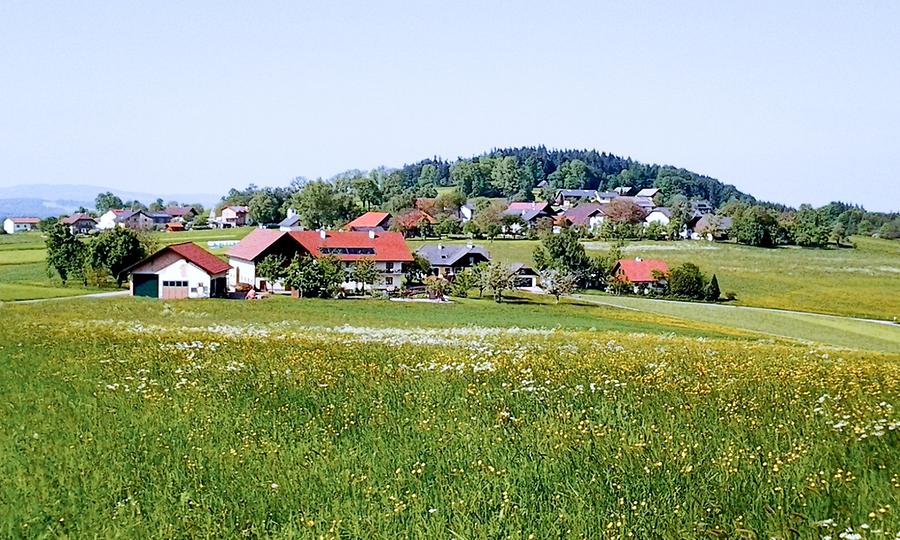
x=56, y=298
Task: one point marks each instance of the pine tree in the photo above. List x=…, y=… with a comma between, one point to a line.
x=712, y=289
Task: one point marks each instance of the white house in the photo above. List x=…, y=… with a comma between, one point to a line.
x=180, y=271
x=661, y=215
x=15, y=225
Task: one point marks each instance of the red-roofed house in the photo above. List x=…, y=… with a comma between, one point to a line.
x=387, y=249
x=414, y=222
x=79, y=223
x=180, y=271
x=15, y=225
x=644, y=274
x=370, y=221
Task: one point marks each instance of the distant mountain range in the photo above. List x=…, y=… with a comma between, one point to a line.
x=45, y=200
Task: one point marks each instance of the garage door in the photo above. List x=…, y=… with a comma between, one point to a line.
x=175, y=289
x=146, y=285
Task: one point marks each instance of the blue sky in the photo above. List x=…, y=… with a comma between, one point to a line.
x=791, y=101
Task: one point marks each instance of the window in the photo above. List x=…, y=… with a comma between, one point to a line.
x=388, y=281
x=389, y=266
x=347, y=251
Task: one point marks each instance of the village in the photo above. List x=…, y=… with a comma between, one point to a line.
x=377, y=241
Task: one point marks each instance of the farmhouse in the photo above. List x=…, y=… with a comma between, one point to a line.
x=370, y=221
x=143, y=219
x=181, y=213
x=110, y=218
x=661, y=215
x=387, y=249
x=233, y=216
x=569, y=197
x=448, y=260
x=180, y=271
x=643, y=274
x=529, y=212
x=587, y=214
x=711, y=227
x=15, y=225
x=79, y=223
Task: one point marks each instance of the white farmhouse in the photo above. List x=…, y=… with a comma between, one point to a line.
x=15, y=225
x=388, y=250
x=661, y=215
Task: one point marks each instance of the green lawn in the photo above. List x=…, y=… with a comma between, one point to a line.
x=370, y=419
x=838, y=331
x=861, y=282
x=23, y=272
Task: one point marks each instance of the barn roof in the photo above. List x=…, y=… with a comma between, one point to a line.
x=192, y=253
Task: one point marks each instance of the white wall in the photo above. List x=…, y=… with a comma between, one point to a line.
x=245, y=270
x=181, y=270
x=12, y=228
x=657, y=217
x=107, y=220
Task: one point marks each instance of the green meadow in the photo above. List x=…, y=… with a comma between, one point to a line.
x=860, y=282
x=374, y=419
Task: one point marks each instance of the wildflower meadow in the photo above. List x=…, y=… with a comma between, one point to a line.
x=144, y=419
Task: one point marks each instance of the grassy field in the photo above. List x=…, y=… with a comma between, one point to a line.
x=861, y=282
x=23, y=272
x=837, y=331
x=369, y=419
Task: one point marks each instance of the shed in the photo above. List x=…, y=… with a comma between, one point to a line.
x=180, y=271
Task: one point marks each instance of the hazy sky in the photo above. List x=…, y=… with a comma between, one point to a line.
x=790, y=101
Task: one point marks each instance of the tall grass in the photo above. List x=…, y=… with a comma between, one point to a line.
x=158, y=420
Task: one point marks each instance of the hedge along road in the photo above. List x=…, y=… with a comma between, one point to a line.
x=855, y=333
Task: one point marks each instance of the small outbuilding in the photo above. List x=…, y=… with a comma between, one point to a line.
x=180, y=271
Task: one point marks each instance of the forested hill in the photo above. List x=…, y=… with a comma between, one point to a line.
x=514, y=172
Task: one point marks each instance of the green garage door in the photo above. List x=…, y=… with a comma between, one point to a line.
x=146, y=285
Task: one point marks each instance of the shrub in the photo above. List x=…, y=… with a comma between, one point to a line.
x=687, y=281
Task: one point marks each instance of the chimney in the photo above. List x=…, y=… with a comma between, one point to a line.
x=440, y=246
x=322, y=234
x=371, y=234
x=638, y=259
x=470, y=245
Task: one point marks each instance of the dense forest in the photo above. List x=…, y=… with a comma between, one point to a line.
x=515, y=172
